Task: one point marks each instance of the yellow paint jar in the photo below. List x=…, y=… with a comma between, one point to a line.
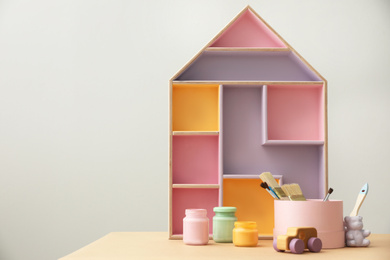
x=245, y=233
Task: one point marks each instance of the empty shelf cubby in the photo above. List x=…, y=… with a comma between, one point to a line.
x=195, y=107
x=195, y=159
x=293, y=114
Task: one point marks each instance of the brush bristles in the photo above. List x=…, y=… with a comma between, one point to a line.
x=298, y=197
x=286, y=190
x=280, y=193
x=293, y=191
x=269, y=179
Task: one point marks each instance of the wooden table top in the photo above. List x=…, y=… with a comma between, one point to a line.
x=156, y=245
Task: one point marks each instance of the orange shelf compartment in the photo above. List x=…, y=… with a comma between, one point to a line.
x=195, y=107
x=253, y=203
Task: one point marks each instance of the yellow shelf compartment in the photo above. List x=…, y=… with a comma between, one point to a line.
x=253, y=203
x=195, y=107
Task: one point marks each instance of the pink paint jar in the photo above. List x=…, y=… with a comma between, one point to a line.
x=196, y=227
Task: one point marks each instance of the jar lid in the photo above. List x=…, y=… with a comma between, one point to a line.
x=245, y=224
x=196, y=212
x=225, y=209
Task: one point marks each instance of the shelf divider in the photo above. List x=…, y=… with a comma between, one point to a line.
x=249, y=176
x=195, y=133
x=180, y=237
x=195, y=186
x=293, y=142
x=245, y=82
x=246, y=49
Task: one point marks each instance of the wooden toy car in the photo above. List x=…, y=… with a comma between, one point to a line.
x=297, y=240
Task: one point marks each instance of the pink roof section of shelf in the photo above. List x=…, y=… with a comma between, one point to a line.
x=247, y=31
x=220, y=58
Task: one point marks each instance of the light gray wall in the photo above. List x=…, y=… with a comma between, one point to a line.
x=84, y=109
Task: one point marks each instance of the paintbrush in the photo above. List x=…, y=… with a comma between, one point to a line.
x=272, y=183
x=359, y=201
x=265, y=186
x=293, y=191
x=328, y=194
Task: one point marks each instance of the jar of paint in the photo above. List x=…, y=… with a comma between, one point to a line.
x=245, y=233
x=223, y=224
x=196, y=227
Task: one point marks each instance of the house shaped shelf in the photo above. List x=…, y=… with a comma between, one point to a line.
x=245, y=104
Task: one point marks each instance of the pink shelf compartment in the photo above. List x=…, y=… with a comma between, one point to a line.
x=195, y=159
x=248, y=31
x=192, y=198
x=293, y=114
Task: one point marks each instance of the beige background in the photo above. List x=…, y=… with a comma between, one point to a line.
x=84, y=109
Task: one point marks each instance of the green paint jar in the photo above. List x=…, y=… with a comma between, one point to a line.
x=223, y=224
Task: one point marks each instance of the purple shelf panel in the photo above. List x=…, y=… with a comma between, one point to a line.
x=244, y=153
x=248, y=66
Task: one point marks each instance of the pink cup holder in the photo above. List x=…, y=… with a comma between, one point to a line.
x=325, y=216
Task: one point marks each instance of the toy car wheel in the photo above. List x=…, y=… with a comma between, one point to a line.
x=275, y=245
x=314, y=244
x=297, y=246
